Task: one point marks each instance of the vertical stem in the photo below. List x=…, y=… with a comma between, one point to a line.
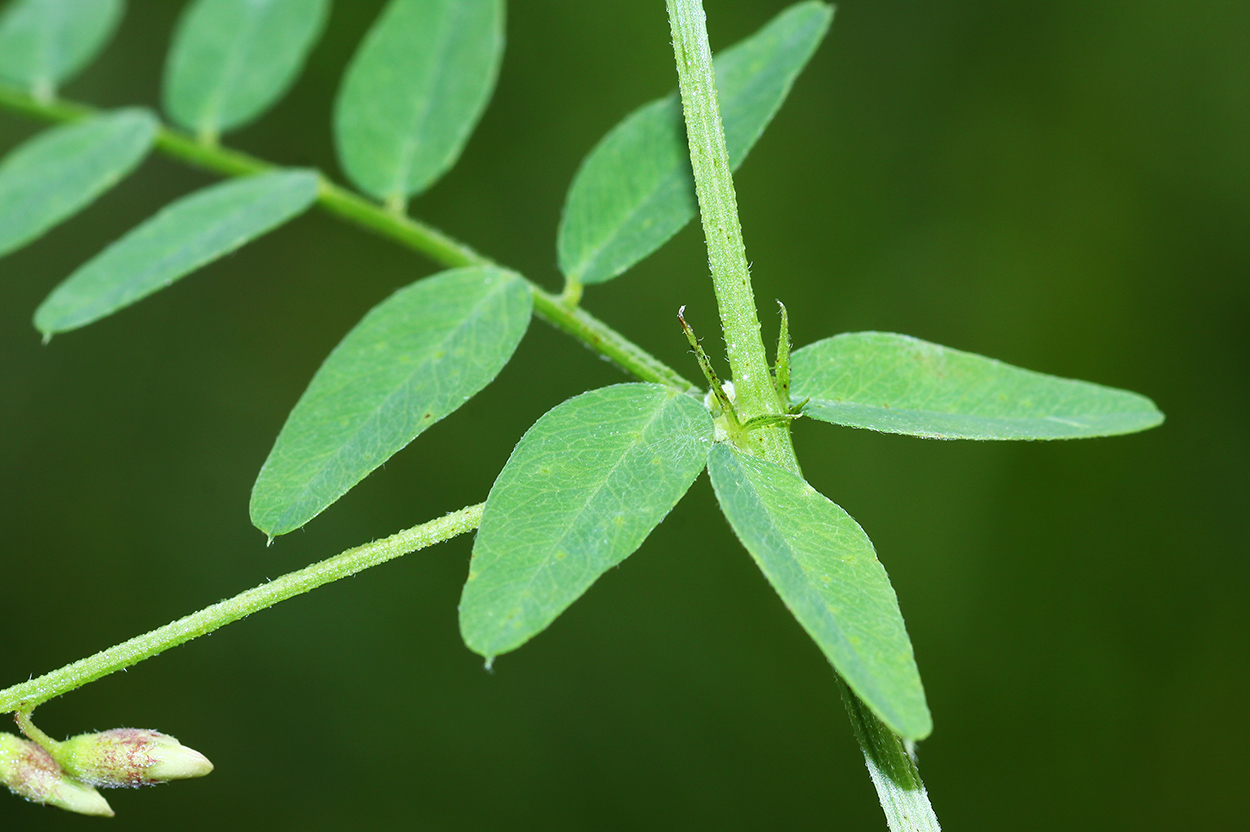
x=718, y=206
x=893, y=771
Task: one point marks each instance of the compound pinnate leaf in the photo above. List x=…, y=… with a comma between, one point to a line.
x=825, y=570
x=898, y=384
x=182, y=237
x=61, y=171
x=635, y=189
x=44, y=42
x=232, y=59
x=414, y=359
x=414, y=91
x=581, y=491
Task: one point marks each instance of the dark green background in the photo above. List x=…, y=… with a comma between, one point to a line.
x=1063, y=185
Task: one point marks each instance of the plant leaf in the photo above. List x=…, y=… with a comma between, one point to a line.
x=61, y=171
x=825, y=570
x=898, y=384
x=635, y=189
x=232, y=59
x=414, y=92
x=185, y=235
x=415, y=358
x=581, y=491
x=44, y=42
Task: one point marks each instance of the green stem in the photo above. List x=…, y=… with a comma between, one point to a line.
x=601, y=338
x=754, y=392
x=899, y=789
x=32, y=731
x=41, y=109
x=386, y=222
x=25, y=697
x=893, y=771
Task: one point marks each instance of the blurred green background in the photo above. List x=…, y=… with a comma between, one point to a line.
x=1064, y=186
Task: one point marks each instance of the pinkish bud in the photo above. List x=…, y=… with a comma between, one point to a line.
x=129, y=757
x=30, y=772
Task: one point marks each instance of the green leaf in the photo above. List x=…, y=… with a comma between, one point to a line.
x=825, y=570
x=414, y=92
x=62, y=171
x=636, y=190
x=232, y=59
x=414, y=359
x=44, y=42
x=185, y=235
x=898, y=384
x=581, y=491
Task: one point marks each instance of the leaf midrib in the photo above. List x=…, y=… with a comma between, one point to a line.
x=808, y=589
x=592, y=258
x=973, y=417
x=545, y=564
x=319, y=474
x=212, y=230
x=408, y=147
x=210, y=116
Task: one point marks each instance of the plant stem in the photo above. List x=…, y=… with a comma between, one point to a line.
x=389, y=223
x=32, y=731
x=754, y=392
x=893, y=770
x=899, y=789
x=29, y=695
x=393, y=225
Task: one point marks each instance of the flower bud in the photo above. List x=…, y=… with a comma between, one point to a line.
x=30, y=772
x=130, y=757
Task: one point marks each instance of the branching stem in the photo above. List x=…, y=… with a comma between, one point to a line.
x=899, y=789
x=386, y=222
x=32, y=731
x=754, y=392
x=893, y=771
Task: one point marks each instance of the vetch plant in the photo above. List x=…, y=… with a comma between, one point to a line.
x=590, y=480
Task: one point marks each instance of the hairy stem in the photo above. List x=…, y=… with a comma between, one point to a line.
x=754, y=392
x=893, y=771
x=386, y=222
x=393, y=225
x=32, y=731
x=899, y=789
x=29, y=695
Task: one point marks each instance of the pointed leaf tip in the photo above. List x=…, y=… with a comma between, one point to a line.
x=414, y=359
x=823, y=566
x=899, y=384
x=184, y=236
